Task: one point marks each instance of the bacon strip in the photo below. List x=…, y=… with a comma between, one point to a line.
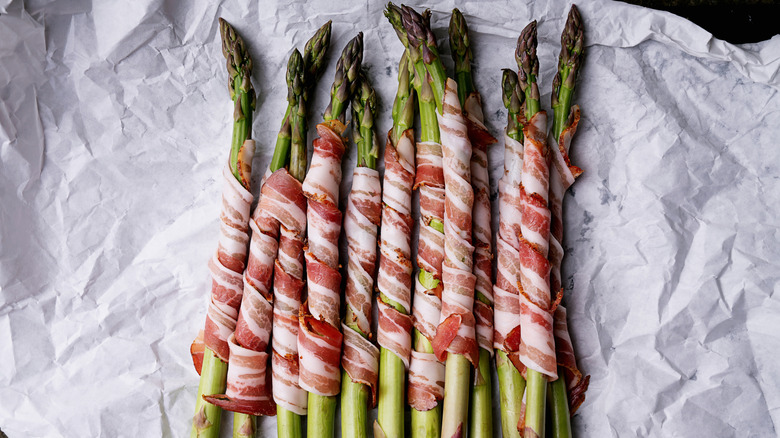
x=482, y=233
x=537, y=347
x=361, y=358
x=227, y=265
x=394, y=280
x=281, y=205
x=456, y=330
x=507, y=302
x=319, y=366
x=426, y=381
x=426, y=311
x=562, y=176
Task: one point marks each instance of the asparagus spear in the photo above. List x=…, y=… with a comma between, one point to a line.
x=528, y=63
x=206, y=422
x=481, y=424
x=354, y=395
x=424, y=423
x=510, y=382
x=456, y=390
x=302, y=73
x=322, y=409
x=563, y=91
x=392, y=371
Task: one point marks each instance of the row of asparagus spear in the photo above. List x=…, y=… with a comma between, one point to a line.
x=466, y=408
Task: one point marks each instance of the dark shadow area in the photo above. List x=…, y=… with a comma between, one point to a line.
x=737, y=22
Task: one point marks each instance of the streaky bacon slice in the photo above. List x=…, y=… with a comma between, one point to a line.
x=319, y=346
x=197, y=350
x=227, y=264
x=482, y=233
x=282, y=204
x=394, y=280
x=562, y=176
x=392, y=327
x=456, y=330
x=319, y=357
x=537, y=347
x=506, y=316
x=361, y=358
x=426, y=311
x=247, y=383
x=426, y=381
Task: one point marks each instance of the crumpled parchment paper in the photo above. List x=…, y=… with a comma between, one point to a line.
x=115, y=123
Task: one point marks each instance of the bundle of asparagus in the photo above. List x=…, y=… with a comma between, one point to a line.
x=360, y=357
x=319, y=337
x=227, y=265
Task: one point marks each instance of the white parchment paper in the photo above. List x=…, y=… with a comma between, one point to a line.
x=115, y=122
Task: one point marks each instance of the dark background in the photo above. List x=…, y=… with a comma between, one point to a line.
x=745, y=21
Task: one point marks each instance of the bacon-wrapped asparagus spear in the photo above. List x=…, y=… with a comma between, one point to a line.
x=319, y=337
x=481, y=425
x=227, y=265
x=562, y=176
x=455, y=337
x=537, y=347
x=360, y=358
x=426, y=373
x=506, y=318
x=394, y=281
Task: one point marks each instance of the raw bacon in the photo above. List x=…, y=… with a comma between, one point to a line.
x=361, y=358
x=562, y=176
x=456, y=330
x=537, y=347
x=228, y=262
x=426, y=311
x=281, y=205
x=506, y=315
x=482, y=234
x=319, y=338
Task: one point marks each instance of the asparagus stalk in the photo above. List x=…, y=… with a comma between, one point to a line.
x=528, y=62
x=322, y=409
x=354, y=395
x=456, y=389
x=392, y=372
x=563, y=90
x=206, y=422
x=481, y=424
x=510, y=381
x=425, y=424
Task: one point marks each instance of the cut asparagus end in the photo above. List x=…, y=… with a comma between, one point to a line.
x=511, y=386
x=481, y=422
x=535, y=404
x=559, y=407
x=208, y=417
x=288, y=423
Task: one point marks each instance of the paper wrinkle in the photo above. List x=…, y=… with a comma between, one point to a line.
x=115, y=122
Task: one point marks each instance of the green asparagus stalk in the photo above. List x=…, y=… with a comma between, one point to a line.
x=207, y=419
x=322, y=409
x=528, y=62
x=354, y=395
x=456, y=381
x=481, y=423
x=302, y=73
x=392, y=372
x=510, y=382
x=569, y=62
x=425, y=424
